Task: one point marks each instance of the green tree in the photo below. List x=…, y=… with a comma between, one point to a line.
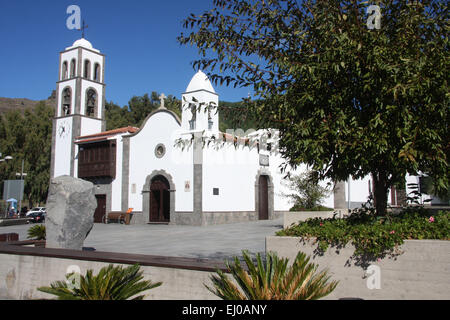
x=117, y=117
x=137, y=110
x=173, y=104
x=140, y=108
x=27, y=137
x=346, y=99
x=37, y=152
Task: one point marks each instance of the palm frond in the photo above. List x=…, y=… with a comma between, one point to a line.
x=111, y=283
x=272, y=279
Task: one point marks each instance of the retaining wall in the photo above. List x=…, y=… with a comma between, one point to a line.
x=422, y=271
x=24, y=269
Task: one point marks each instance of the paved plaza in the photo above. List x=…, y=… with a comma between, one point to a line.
x=209, y=242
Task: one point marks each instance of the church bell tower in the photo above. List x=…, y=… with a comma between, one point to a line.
x=80, y=107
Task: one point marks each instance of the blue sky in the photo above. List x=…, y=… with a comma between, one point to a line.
x=139, y=39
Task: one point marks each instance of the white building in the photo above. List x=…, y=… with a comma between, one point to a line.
x=164, y=170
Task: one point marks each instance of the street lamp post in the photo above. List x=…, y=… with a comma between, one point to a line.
x=7, y=158
x=21, y=174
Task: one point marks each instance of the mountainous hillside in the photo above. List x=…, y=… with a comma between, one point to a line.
x=7, y=104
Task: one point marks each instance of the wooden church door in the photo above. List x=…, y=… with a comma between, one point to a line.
x=159, y=200
x=263, y=198
x=101, y=208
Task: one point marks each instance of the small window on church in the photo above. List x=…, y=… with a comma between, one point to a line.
x=72, y=68
x=91, y=102
x=97, y=72
x=87, y=69
x=160, y=150
x=66, y=101
x=194, y=116
x=215, y=191
x=64, y=70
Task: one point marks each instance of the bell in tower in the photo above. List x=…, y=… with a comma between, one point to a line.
x=91, y=103
x=67, y=99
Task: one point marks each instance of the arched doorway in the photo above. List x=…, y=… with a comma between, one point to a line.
x=159, y=200
x=263, y=191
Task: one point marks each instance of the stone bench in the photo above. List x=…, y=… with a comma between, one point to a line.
x=118, y=216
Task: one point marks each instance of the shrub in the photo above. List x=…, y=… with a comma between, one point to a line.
x=111, y=283
x=373, y=236
x=272, y=280
x=306, y=192
x=37, y=232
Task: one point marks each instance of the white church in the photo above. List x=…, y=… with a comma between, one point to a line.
x=171, y=170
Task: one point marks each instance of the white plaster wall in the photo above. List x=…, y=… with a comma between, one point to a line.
x=359, y=189
x=63, y=148
x=61, y=87
x=90, y=126
x=233, y=171
x=116, y=185
x=202, y=116
x=160, y=128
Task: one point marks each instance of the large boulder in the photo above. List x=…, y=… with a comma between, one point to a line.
x=71, y=204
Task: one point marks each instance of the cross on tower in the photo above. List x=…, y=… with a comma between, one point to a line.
x=82, y=29
x=161, y=98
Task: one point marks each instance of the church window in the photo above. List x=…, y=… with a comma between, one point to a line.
x=91, y=102
x=72, y=68
x=87, y=69
x=215, y=191
x=66, y=101
x=194, y=116
x=97, y=72
x=160, y=150
x=210, y=121
x=64, y=70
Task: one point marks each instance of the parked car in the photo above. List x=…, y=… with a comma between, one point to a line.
x=36, y=209
x=36, y=217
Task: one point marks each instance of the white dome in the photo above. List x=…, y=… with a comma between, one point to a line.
x=200, y=81
x=82, y=43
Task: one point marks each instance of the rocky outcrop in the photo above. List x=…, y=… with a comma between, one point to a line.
x=71, y=204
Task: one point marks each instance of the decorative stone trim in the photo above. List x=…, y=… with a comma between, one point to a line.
x=265, y=172
x=160, y=150
x=146, y=194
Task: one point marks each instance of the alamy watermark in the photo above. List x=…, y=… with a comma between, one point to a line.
x=73, y=277
x=373, y=274
x=73, y=22
x=374, y=19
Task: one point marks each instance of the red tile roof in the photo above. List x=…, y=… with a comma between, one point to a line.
x=110, y=133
